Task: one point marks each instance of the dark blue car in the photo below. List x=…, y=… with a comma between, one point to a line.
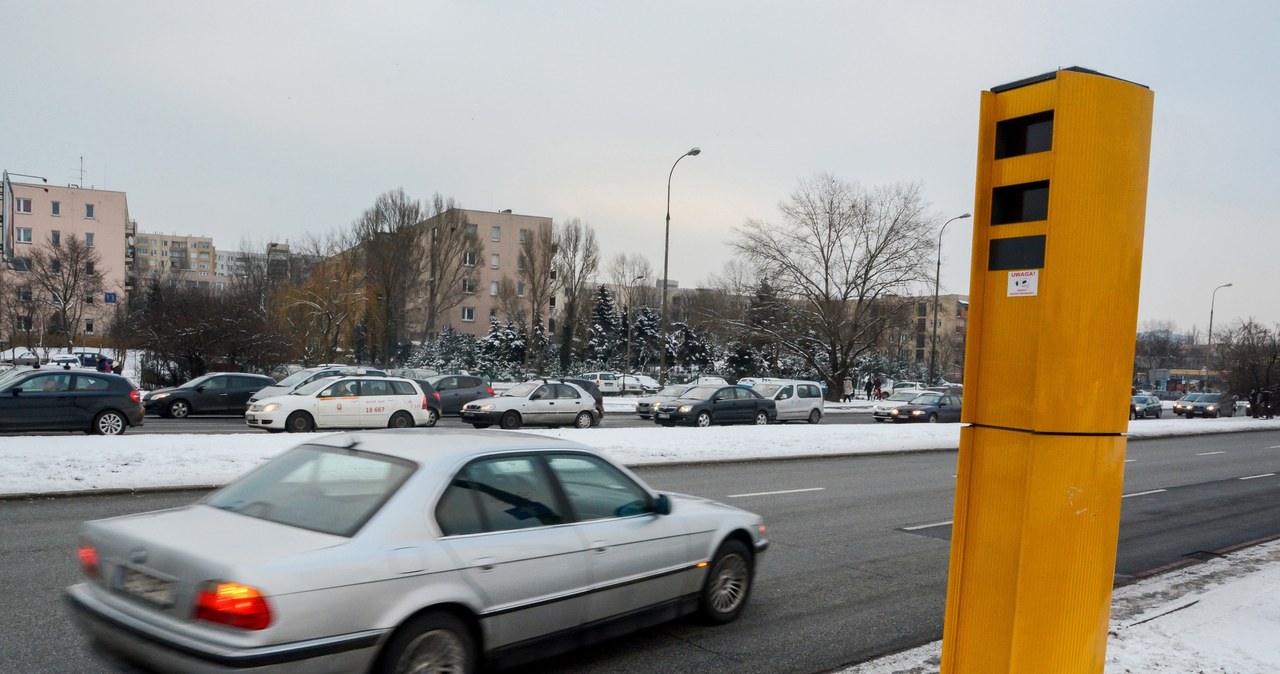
x=929, y=407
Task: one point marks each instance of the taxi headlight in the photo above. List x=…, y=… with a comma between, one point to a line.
x=685, y=409
x=487, y=407
x=270, y=407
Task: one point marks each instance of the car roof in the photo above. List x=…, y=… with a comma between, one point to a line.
x=441, y=445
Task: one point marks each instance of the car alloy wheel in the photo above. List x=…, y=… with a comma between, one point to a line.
x=815, y=416
x=583, y=420
x=933, y=418
x=432, y=417
x=724, y=594
x=762, y=418
x=300, y=422
x=109, y=422
x=510, y=420
x=400, y=419
x=704, y=419
x=433, y=642
x=179, y=409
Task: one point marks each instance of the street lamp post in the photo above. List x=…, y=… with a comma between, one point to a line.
x=1208, y=354
x=933, y=343
x=666, y=247
x=626, y=365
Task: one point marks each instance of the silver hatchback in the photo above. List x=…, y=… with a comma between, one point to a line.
x=395, y=551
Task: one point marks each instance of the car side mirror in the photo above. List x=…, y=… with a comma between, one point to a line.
x=663, y=505
x=200, y=389
x=16, y=391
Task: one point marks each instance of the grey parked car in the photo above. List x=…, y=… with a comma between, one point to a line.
x=213, y=393
x=457, y=390
x=409, y=551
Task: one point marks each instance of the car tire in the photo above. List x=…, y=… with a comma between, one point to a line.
x=583, y=420
x=762, y=418
x=482, y=425
x=1158, y=413
x=815, y=416
x=299, y=422
x=109, y=422
x=179, y=409
x=401, y=419
x=432, y=418
x=932, y=418
x=704, y=419
x=433, y=641
x=728, y=584
x=510, y=421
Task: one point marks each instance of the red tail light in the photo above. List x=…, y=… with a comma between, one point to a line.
x=424, y=402
x=135, y=396
x=490, y=390
x=233, y=604
x=436, y=396
x=88, y=560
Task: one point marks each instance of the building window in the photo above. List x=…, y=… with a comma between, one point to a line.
x=469, y=314
x=23, y=205
x=493, y=312
x=55, y=237
x=496, y=233
x=520, y=289
x=23, y=235
x=469, y=286
x=55, y=209
x=520, y=263
x=88, y=268
x=88, y=211
x=55, y=266
x=473, y=229
x=24, y=323
x=493, y=288
x=553, y=302
x=24, y=294
x=88, y=239
x=88, y=326
x=493, y=261
x=469, y=259
x=523, y=234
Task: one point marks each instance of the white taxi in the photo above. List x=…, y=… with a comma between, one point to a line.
x=343, y=402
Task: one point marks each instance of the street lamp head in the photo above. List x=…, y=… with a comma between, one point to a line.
x=962, y=217
x=694, y=152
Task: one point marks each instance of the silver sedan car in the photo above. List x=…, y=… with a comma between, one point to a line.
x=397, y=551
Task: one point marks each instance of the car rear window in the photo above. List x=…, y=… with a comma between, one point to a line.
x=326, y=489
x=86, y=383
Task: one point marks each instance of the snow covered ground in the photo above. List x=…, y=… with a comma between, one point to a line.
x=1219, y=617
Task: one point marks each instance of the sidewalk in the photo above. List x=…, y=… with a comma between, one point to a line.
x=1219, y=617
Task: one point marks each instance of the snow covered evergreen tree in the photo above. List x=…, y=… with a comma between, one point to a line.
x=451, y=351
x=604, y=341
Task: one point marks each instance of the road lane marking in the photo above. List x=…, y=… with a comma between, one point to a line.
x=927, y=526
x=1130, y=460
x=1144, y=493
x=1276, y=447
x=1254, y=477
x=1209, y=453
x=771, y=493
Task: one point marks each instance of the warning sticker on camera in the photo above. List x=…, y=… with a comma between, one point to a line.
x=1024, y=283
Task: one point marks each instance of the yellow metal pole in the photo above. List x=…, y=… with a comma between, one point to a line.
x=1059, y=213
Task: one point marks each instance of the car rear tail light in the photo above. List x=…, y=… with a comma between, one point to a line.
x=88, y=560
x=424, y=402
x=234, y=605
x=135, y=396
x=436, y=396
x=489, y=389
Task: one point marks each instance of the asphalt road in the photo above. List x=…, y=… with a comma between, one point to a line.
x=843, y=582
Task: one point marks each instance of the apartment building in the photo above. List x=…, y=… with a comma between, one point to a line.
x=174, y=254
x=48, y=215
x=911, y=339
x=502, y=234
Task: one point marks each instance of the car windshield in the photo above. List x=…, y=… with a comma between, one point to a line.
x=700, y=392
x=903, y=396
x=522, y=390
x=1190, y=397
x=326, y=489
x=295, y=378
x=673, y=390
x=1140, y=399
x=311, y=387
x=767, y=390
x=1210, y=398
x=926, y=399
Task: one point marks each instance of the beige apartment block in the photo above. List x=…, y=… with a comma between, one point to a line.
x=180, y=254
x=48, y=214
x=501, y=234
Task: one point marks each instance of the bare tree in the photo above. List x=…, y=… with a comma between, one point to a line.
x=322, y=307
x=452, y=254
x=837, y=251
x=537, y=270
x=68, y=276
x=577, y=259
x=393, y=251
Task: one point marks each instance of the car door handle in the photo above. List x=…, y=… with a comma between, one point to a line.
x=600, y=547
x=485, y=563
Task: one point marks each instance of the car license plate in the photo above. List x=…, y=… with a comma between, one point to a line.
x=664, y=415
x=146, y=586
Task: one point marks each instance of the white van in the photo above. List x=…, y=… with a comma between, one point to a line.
x=796, y=400
x=607, y=382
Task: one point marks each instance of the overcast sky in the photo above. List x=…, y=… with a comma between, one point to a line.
x=267, y=120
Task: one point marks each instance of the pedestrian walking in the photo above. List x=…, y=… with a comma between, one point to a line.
x=848, y=389
x=878, y=393
x=868, y=386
